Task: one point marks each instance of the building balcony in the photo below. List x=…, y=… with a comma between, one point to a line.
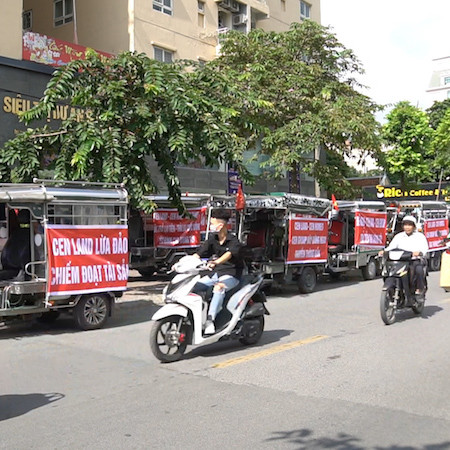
x=259, y=6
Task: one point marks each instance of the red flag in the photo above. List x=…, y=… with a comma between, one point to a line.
x=334, y=202
x=240, y=199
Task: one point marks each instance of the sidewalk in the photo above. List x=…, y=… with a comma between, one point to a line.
x=139, y=290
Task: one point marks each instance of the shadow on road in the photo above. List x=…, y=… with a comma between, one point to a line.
x=305, y=439
x=428, y=311
x=324, y=283
x=234, y=346
x=16, y=405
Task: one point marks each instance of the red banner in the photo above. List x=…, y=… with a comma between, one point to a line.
x=435, y=230
x=85, y=259
x=370, y=229
x=54, y=52
x=172, y=230
x=308, y=239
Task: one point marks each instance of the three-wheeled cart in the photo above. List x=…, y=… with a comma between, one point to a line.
x=64, y=246
x=158, y=240
x=357, y=232
x=432, y=220
x=285, y=237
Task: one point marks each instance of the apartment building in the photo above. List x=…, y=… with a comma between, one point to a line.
x=439, y=87
x=163, y=29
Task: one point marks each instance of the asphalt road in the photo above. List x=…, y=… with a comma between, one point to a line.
x=326, y=374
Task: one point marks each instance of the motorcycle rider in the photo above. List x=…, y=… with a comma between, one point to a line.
x=413, y=241
x=226, y=266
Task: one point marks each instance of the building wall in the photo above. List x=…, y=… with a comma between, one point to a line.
x=11, y=29
x=118, y=25
x=283, y=13
x=101, y=24
x=439, y=87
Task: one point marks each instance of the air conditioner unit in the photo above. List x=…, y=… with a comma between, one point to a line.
x=235, y=6
x=225, y=4
x=239, y=19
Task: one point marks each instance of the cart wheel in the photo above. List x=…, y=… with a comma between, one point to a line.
x=92, y=311
x=147, y=272
x=48, y=317
x=369, y=272
x=307, y=280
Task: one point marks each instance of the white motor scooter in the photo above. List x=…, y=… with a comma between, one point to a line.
x=181, y=321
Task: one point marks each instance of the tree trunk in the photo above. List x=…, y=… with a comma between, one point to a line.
x=294, y=179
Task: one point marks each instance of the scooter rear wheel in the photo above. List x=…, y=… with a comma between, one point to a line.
x=166, y=342
x=256, y=336
x=387, y=310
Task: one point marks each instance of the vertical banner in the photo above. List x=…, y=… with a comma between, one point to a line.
x=84, y=259
x=234, y=181
x=171, y=230
x=308, y=239
x=370, y=229
x=435, y=230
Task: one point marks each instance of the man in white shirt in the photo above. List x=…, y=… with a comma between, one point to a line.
x=413, y=241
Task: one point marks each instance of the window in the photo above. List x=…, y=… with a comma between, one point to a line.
x=305, y=10
x=447, y=80
x=201, y=14
x=62, y=12
x=27, y=20
x=448, y=94
x=164, y=6
x=163, y=55
x=283, y=5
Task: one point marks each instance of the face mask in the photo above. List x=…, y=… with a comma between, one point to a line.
x=214, y=228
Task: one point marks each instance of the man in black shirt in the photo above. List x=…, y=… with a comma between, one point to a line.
x=226, y=265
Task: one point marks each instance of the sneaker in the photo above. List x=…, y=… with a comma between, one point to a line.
x=209, y=327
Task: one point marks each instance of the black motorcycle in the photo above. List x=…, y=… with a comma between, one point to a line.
x=398, y=289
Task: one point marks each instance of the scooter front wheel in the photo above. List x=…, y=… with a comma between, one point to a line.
x=168, y=338
x=387, y=308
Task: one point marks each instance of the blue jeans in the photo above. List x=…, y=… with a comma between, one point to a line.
x=219, y=292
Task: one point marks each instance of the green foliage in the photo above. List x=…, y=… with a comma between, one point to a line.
x=441, y=145
x=136, y=109
x=408, y=134
x=437, y=111
x=306, y=74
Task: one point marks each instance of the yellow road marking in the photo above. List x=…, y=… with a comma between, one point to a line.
x=269, y=351
x=447, y=300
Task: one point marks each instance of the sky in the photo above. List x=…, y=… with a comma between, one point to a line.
x=395, y=40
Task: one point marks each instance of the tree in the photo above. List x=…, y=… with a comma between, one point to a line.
x=408, y=134
x=135, y=108
x=306, y=74
x=441, y=145
x=437, y=111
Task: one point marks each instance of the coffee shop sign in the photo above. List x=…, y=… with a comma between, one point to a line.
x=397, y=193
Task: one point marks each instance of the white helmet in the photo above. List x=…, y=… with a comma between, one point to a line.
x=411, y=219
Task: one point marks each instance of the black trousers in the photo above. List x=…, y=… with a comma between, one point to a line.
x=418, y=274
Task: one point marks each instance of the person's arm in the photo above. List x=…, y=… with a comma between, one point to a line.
x=393, y=244
x=224, y=258
x=203, y=250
